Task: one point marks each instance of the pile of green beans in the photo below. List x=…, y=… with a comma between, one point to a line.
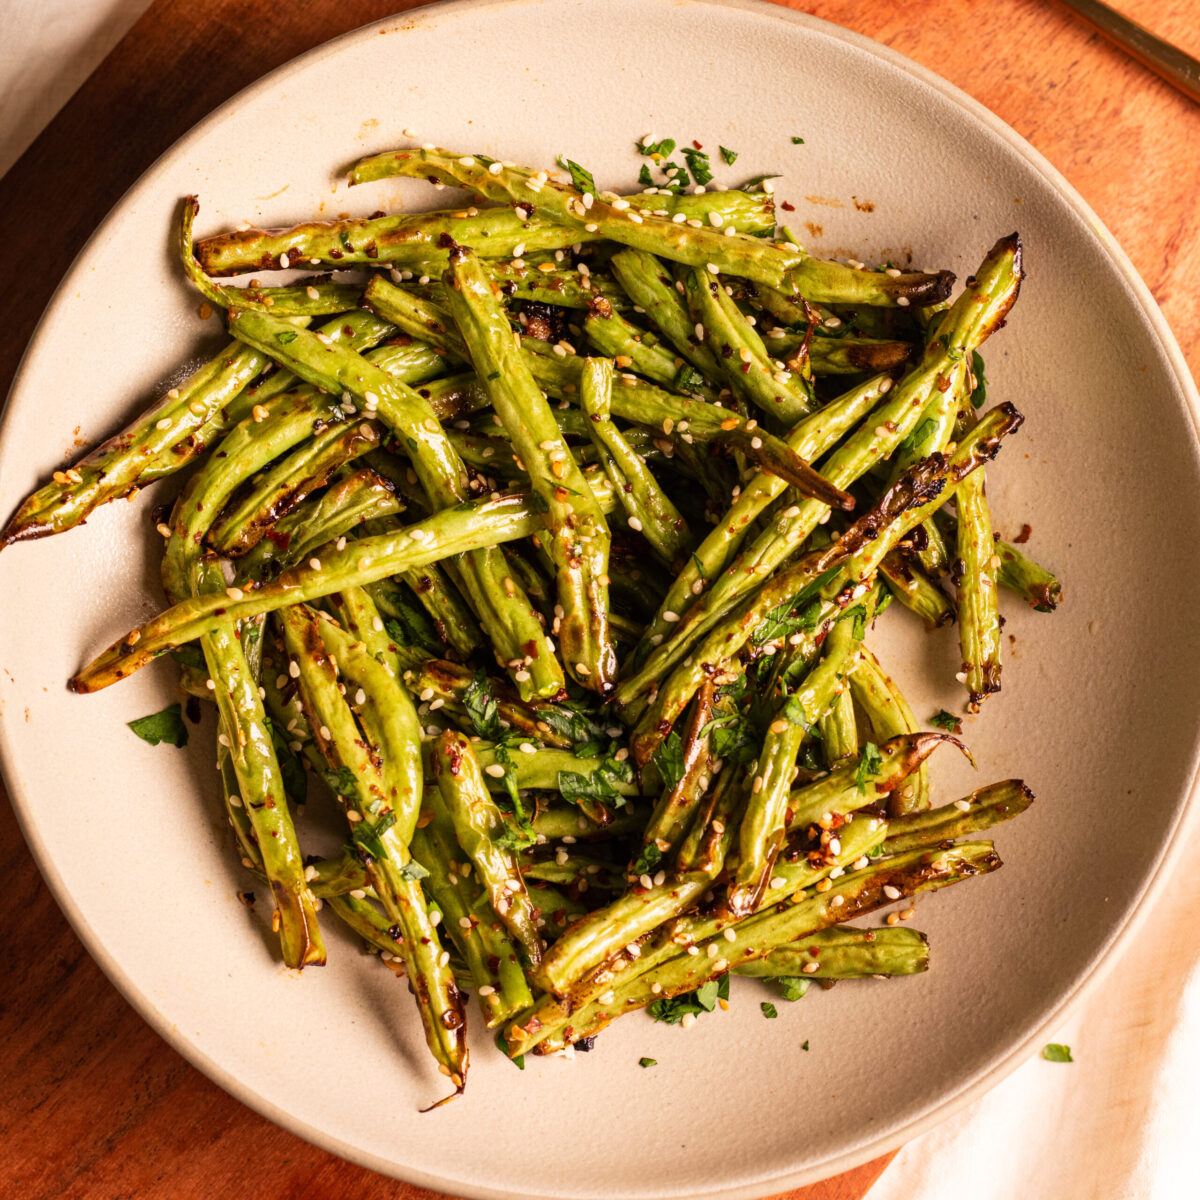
x=547, y=544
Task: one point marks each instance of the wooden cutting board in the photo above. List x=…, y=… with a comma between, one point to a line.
x=95, y=1104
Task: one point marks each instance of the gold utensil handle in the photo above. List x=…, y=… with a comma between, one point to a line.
x=1171, y=63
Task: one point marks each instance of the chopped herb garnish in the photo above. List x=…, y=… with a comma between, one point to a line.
x=581, y=178
x=644, y=176
x=291, y=767
x=341, y=782
x=804, y=1044
x=502, y=1046
x=868, y=766
x=668, y=760
x=948, y=721
x=166, y=726
x=791, y=987
x=797, y=141
x=412, y=871
x=483, y=708
x=288, y=335
x=769, y=1010
x=688, y=379
x=979, y=393
x=647, y=1062
x=730, y=156
x=656, y=149
x=648, y=860
x=697, y=162
x=1057, y=1052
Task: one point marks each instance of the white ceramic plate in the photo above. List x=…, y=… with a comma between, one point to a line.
x=1098, y=712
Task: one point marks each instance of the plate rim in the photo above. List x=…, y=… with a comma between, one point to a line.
x=1186, y=819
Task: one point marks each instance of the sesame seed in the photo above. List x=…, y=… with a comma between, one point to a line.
x=495, y=770
x=315, y=563
x=892, y=893
x=711, y=950
x=165, y=423
x=715, y=218
x=712, y=268
x=294, y=670
x=963, y=805
x=689, y=1019
x=756, y=443
x=961, y=676
x=693, y=950
x=635, y=524
x=902, y=301
x=810, y=968
x=284, y=261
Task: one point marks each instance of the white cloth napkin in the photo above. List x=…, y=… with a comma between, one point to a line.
x=1120, y=1122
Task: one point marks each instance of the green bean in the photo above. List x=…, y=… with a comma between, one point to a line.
x=977, y=566
x=379, y=829
x=166, y=437
x=845, y=953
x=505, y=612
x=889, y=715
x=983, y=808
x=452, y=531
x=413, y=238
x=838, y=571
x=649, y=285
x=909, y=583
x=649, y=509
x=811, y=438
x=989, y=295
x=839, y=731
x=481, y=940
x=764, y=822
x=578, y=532
x=1038, y=587
x=739, y=351
x=646, y=355
x=480, y=829
x=780, y=265
x=757, y=936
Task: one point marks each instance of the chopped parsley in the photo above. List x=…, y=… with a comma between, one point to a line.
x=483, y=708
x=581, y=178
x=947, y=721
x=287, y=336
x=868, y=766
x=412, y=871
x=518, y=1060
x=797, y=141
x=649, y=858
x=668, y=760
x=979, y=393
x=791, y=987
x=295, y=782
x=698, y=164
x=1056, y=1052
x=704, y=999
x=730, y=156
x=656, y=149
x=647, y=1062
x=166, y=726
x=341, y=782
x=769, y=1010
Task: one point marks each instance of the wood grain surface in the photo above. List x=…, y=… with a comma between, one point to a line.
x=95, y=1105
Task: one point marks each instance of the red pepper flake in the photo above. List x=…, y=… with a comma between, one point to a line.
x=788, y=207
x=1024, y=535
x=697, y=144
